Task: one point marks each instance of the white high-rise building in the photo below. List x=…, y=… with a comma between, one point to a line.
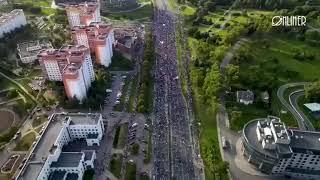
x=72, y=65
x=83, y=14
x=11, y=21
x=99, y=37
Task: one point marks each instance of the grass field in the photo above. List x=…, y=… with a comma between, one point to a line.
x=141, y=13
x=284, y=48
x=123, y=135
x=26, y=142
x=37, y=121
x=130, y=171
x=115, y=164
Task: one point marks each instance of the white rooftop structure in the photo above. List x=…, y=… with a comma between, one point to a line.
x=313, y=106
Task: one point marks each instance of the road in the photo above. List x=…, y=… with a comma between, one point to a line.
x=293, y=99
x=172, y=142
x=292, y=105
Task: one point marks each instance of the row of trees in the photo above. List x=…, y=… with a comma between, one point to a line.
x=146, y=83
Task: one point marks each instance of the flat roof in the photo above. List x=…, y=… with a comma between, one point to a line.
x=303, y=141
x=313, y=106
x=42, y=150
x=84, y=119
x=57, y=175
x=68, y=159
x=72, y=176
x=27, y=49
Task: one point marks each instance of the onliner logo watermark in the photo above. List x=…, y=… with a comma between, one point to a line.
x=289, y=21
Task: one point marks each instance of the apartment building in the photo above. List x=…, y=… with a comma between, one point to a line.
x=74, y=82
x=83, y=13
x=66, y=149
x=97, y=36
x=70, y=64
x=275, y=149
x=28, y=51
x=11, y=21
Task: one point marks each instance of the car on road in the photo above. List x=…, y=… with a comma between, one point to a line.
x=108, y=91
x=224, y=142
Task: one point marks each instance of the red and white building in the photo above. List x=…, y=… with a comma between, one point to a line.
x=99, y=37
x=74, y=81
x=83, y=14
x=70, y=64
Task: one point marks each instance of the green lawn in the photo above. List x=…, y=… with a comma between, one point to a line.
x=133, y=94
x=147, y=159
x=115, y=164
x=130, y=171
x=25, y=142
x=188, y=10
x=283, y=48
x=123, y=135
x=141, y=13
x=37, y=121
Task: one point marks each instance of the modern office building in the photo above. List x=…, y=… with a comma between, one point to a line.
x=10, y=21
x=97, y=36
x=66, y=148
x=275, y=149
x=28, y=51
x=83, y=13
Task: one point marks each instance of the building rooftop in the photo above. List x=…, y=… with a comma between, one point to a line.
x=298, y=141
x=245, y=95
x=68, y=159
x=32, y=48
x=87, y=119
x=313, y=107
x=72, y=176
x=57, y=175
x=8, y=16
x=42, y=149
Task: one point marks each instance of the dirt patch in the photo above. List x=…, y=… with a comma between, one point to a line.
x=6, y=120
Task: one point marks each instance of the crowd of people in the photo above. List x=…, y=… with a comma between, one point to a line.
x=173, y=157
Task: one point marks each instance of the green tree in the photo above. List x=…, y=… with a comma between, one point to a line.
x=212, y=84
x=313, y=92
x=232, y=74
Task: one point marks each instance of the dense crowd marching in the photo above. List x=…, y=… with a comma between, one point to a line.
x=172, y=146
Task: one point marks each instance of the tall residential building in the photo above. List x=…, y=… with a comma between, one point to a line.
x=66, y=148
x=99, y=37
x=83, y=13
x=53, y=61
x=74, y=82
x=70, y=64
x=11, y=21
x=277, y=150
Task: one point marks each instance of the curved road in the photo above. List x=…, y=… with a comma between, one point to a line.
x=293, y=99
x=292, y=105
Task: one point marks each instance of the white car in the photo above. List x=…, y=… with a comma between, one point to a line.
x=108, y=91
x=117, y=102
